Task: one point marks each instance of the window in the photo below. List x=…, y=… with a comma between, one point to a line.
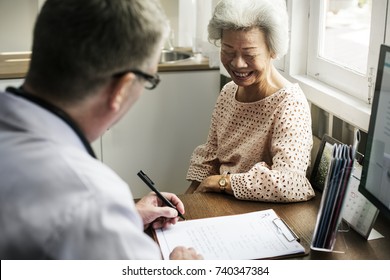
x=345, y=34
x=344, y=40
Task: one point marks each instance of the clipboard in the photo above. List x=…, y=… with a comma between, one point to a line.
x=255, y=235
x=283, y=228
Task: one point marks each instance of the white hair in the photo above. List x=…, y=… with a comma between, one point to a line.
x=270, y=16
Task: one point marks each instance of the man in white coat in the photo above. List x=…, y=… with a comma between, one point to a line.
x=90, y=62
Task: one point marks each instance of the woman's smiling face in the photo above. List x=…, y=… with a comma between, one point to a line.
x=246, y=56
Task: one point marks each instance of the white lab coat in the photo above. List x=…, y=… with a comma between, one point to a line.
x=56, y=201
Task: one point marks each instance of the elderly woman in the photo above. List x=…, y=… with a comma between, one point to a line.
x=259, y=143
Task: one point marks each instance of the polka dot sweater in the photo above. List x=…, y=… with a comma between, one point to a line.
x=265, y=145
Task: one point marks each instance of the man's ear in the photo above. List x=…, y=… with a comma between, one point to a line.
x=119, y=91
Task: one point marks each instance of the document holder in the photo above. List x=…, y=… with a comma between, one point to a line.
x=329, y=218
x=332, y=202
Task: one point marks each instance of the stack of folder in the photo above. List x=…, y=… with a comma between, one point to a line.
x=338, y=177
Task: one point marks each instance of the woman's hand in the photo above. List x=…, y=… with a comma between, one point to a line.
x=211, y=184
x=155, y=213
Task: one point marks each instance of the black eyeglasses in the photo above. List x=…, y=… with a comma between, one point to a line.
x=151, y=81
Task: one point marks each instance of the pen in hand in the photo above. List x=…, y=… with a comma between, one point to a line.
x=150, y=184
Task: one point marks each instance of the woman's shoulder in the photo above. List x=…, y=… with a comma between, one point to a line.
x=292, y=92
x=293, y=96
x=292, y=88
x=230, y=87
x=227, y=94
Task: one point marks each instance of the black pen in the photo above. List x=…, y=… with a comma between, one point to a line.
x=150, y=184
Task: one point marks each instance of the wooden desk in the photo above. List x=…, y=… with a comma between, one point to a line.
x=301, y=217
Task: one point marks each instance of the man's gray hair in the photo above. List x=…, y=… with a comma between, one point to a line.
x=79, y=44
x=270, y=16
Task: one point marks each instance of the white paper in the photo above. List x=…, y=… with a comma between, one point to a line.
x=253, y=235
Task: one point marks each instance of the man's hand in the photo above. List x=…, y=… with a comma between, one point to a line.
x=182, y=253
x=155, y=213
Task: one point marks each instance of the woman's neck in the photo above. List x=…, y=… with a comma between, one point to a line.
x=264, y=88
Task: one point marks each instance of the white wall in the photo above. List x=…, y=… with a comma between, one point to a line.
x=189, y=20
x=171, y=8
x=10, y=83
x=17, y=18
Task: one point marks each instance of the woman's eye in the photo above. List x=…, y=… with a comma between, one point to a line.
x=249, y=57
x=229, y=54
x=246, y=57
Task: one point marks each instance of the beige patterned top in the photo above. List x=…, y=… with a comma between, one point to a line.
x=265, y=145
